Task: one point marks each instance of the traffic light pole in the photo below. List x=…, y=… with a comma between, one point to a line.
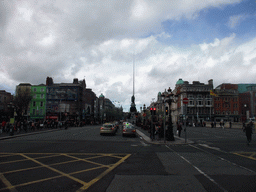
x=166, y=113
x=164, y=129
x=153, y=112
x=185, y=130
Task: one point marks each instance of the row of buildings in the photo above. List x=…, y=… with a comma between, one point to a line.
x=226, y=102
x=61, y=101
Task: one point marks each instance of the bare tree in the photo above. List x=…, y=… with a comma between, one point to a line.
x=21, y=101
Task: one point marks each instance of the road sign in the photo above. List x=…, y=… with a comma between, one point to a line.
x=185, y=101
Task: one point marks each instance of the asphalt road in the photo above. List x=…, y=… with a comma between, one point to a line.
x=79, y=159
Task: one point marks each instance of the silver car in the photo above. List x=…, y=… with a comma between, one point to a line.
x=108, y=128
x=129, y=130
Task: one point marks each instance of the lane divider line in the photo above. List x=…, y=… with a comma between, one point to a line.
x=199, y=170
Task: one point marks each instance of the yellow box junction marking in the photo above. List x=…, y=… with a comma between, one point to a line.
x=249, y=155
x=27, y=157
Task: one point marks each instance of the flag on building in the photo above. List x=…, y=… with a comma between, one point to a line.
x=213, y=94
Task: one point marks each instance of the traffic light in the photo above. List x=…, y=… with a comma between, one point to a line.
x=154, y=111
x=166, y=110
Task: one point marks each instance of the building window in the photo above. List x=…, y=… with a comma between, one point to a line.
x=200, y=102
x=190, y=96
x=228, y=112
x=41, y=104
x=34, y=103
x=42, y=89
x=191, y=102
x=42, y=96
x=208, y=102
x=34, y=89
x=34, y=96
x=34, y=112
x=199, y=96
x=41, y=112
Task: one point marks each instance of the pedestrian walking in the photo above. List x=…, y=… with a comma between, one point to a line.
x=248, y=132
x=25, y=126
x=179, y=128
x=3, y=126
x=243, y=126
x=156, y=130
x=11, y=129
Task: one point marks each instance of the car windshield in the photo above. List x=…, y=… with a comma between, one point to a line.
x=108, y=126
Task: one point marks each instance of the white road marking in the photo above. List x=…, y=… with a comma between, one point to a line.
x=199, y=170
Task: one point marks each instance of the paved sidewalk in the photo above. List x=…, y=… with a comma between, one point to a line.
x=5, y=135
x=146, y=137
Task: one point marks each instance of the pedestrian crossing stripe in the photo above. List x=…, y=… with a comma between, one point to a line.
x=37, y=158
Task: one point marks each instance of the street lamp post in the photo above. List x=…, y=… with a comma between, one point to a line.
x=169, y=98
x=144, y=113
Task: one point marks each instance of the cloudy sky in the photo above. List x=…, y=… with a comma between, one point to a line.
x=99, y=40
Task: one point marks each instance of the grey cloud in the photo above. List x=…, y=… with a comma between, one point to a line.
x=6, y=10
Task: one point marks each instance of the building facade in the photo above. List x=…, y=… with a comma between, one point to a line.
x=6, y=105
x=226, y=103
x=89, y=111
x=65, y=100
x=38, y=102
x=200, y=106
x=247, y=100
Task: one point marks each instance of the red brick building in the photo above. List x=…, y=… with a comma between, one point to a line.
x=226, y=103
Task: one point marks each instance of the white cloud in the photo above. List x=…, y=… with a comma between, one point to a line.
x=235, y=20
x=99, y=39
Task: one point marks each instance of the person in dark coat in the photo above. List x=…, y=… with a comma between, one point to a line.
x=248, y=132
x=179, y=128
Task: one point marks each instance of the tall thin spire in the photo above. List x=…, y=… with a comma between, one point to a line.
x=133, y=106
x=133, y=75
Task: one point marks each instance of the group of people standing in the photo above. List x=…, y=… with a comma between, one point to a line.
x=9, y=127
x=158, y=129
x=24, y=125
